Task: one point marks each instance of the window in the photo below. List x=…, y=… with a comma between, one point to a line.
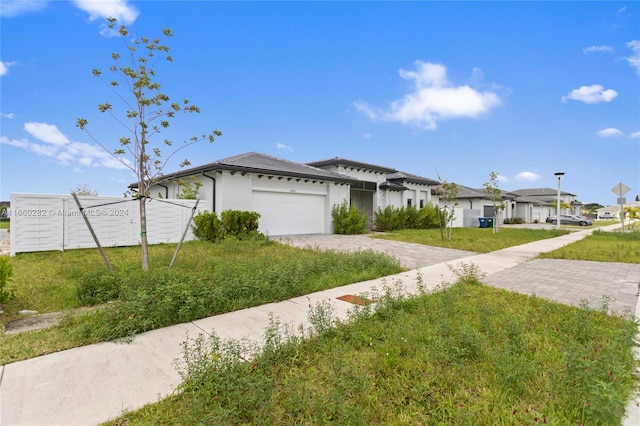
x=409, y=202
x=421, y=203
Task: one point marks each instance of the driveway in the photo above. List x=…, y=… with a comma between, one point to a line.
x=410, y=255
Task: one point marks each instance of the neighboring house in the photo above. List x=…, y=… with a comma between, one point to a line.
x=609, y=212
x=294, y=198
x=532, y=209
x=613, y=212
x=548, y=199
x=379, y=187
x=472, y=203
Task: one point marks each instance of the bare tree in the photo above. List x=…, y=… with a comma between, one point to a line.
x=448, y=194
x=83, y=189
x=148, y=112
x=492, y=189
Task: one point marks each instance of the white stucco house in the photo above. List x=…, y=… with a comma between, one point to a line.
x=546, y=202
x=294, y=198
x=379, y=187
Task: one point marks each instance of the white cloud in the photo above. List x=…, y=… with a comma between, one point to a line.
x=366, y=136
x=11, y=8
x=593, y=94
x=634, y=59
x=528, y=176
x=502, y=179
x=433, y=99
x=609, y=133
x=597, y=49
x=10, y=115
x=48, y=133
x=281, y=146
x=4, y=67
x=58, y=147
x=119, y=9
x=635, y=135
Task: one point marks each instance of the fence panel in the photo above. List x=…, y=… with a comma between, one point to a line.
x=43, y=222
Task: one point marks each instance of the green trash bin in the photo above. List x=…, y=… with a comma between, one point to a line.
x=489, y=222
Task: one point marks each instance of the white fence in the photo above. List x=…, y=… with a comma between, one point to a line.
x=43, y=222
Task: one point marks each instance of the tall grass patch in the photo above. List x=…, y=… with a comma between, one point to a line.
x=208, y=279
x=479, y=240
x=601, y=247
x=468, y=354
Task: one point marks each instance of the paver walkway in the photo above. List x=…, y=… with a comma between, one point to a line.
x=95, y=383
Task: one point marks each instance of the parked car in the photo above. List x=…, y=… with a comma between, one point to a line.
x=571, y=219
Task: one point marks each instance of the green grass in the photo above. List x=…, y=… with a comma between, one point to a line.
x=4, y=224
x=601, y=247
x=208, y=279
x=473, y=239
x=466, y=355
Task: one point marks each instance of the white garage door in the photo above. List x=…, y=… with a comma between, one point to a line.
x=289, y=213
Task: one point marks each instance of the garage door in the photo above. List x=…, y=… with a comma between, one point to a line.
x=285, y=213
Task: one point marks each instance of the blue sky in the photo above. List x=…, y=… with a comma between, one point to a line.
x=458, y=89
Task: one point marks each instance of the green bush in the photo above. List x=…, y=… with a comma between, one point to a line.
x=239, y=224
x=409, y=217
x=386, y=220
x=5, y=274
x=232, y=223
x=207, y=226
x=348, y=219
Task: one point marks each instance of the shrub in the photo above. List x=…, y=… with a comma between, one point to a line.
x=386, y=220
x=5, y=274
x=239, y=224
x=409, y=217
x=232, y=223
x=348, y=219
x=207, y=226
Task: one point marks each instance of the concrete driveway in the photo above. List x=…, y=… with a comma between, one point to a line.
x=411, y=256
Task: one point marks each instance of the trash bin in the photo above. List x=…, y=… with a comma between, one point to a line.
x=489, y=222
x=483, y=222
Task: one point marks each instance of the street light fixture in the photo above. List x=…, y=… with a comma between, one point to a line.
x=559, y=176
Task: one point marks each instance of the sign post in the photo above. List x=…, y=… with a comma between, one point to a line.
x=620, y=190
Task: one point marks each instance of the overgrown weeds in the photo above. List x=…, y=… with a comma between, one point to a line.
x=601, y=247
x=210, y=279
x=473, y=239
x=467, y=354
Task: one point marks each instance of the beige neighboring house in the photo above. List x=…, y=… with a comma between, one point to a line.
x=613, y=212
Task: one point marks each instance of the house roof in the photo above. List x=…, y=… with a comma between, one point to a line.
x=541, y=192
x=392, y=186
x=255, y=162
x=411, y=178
x=392, y=174
x=531, y=200
x=337, y=161
x=467, y=192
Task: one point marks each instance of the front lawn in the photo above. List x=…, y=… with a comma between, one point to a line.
x=601, y=247
x=479, y=240
x=468, y=354
x=208, y=279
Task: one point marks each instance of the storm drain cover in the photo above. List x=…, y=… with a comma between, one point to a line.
x=356, y=300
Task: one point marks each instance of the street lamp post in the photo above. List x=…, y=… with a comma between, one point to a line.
x=559, y=176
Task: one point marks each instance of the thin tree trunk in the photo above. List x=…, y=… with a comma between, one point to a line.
x=143, y=233
x=142, y=187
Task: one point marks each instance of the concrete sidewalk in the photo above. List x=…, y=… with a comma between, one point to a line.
x=96, y=383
